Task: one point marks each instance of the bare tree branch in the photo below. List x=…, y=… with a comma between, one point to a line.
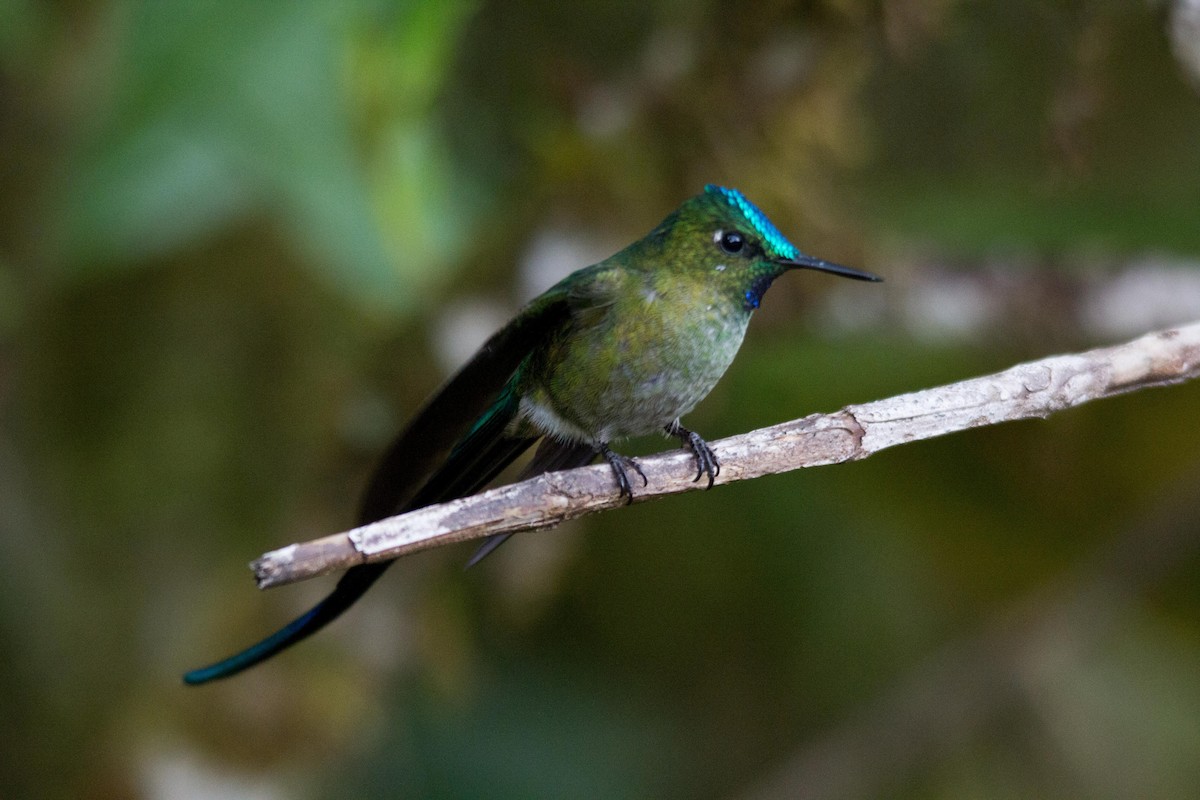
x=1034, y=389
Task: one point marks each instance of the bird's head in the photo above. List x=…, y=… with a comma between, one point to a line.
x=720, y=230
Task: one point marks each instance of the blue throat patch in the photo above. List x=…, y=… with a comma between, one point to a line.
x=763, y=226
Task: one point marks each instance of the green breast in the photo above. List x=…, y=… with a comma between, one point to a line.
x=636, y=364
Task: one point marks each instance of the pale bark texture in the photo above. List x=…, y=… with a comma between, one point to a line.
x=1033, y=389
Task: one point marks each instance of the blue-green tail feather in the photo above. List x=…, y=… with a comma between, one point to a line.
x=473, y=462
x=351, y=587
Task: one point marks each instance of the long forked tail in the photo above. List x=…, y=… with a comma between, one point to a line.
x=351, y=587
x=453, y=446
x=475, y=462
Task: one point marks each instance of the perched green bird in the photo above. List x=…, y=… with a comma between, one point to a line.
x=621, y=348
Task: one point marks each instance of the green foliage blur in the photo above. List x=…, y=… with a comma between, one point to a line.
x=235, y=239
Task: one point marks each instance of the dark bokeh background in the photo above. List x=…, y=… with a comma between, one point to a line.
x=240, y=242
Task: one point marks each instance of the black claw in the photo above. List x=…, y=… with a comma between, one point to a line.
x=619, y=464
x=638, y=469
x=706, y=459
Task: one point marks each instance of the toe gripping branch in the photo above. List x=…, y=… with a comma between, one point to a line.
x=620, y=465
x=706, y=459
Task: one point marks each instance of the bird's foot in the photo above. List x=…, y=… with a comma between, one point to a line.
x=706, y=459
x=620, y=465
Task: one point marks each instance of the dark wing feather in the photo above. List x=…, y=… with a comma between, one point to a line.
x=451, y=413
x=452, y=447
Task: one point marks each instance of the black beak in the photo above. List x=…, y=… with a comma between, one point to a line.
x=820, y=265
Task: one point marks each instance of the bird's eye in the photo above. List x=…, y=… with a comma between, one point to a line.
x=731, y=242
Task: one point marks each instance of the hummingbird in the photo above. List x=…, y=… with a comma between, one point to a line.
x=620, y=349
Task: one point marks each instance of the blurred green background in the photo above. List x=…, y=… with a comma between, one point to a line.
x=240, y=242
